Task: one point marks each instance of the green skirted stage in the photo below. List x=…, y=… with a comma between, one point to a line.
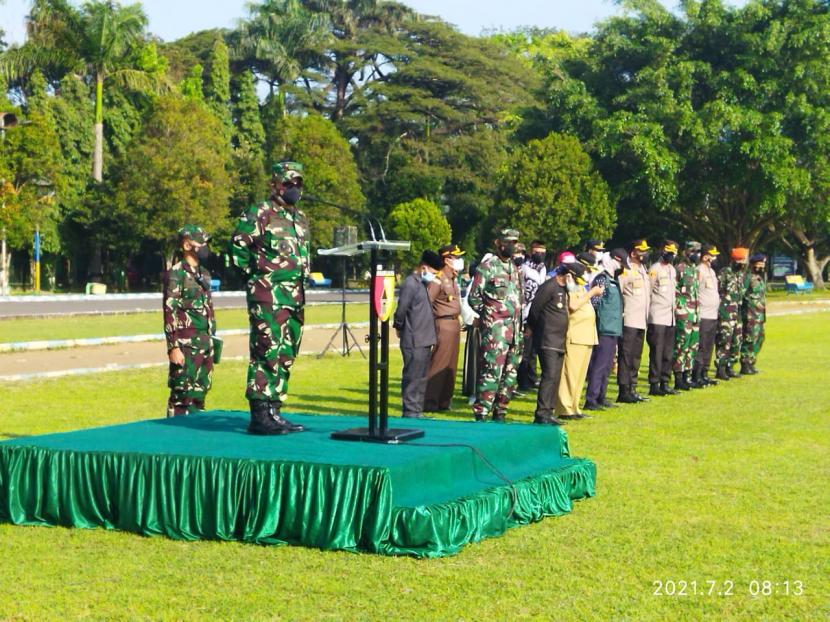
x=203, y=477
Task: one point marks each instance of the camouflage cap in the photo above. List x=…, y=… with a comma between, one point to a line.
x=509, y=234
x=287, y=171
x=693, y=246
x=193, y=233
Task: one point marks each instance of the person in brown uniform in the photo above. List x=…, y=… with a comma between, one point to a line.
x=445, y=297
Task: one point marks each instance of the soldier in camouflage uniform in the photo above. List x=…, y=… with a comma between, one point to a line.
x=496, y=295
x=728, y=340
x=754, y=312
x=271, y=248
x=687, y=318
x=189, y=325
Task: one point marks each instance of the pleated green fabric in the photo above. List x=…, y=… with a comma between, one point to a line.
x=353, y=507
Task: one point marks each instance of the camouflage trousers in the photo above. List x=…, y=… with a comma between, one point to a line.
x=276, y=332
x=686, y=339
x=189, y=383
x=497, y=373
x=728, y=341
x=753, y=331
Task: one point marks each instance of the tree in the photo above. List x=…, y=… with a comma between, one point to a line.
x=421, y=223
x=248, y=141
x=330, y=172
x=97, y=40
x=175, y=173
x=218, y=84
x=551, y=191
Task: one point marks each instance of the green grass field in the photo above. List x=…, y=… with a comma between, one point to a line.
x=728, y=484
x=85, y=326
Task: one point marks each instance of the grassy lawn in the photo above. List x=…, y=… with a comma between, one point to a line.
x=724, y=484
x=85, y=326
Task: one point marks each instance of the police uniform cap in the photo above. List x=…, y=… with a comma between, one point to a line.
x=432, y=259
x=193, y=233
x=757, y=257
x=595, y=245
x=574, y=267
x=287, y=171
x=451, y=249
x=670, y=247
x=587, y=259
x=620, y=254
x=640, y=245
x=710, y=249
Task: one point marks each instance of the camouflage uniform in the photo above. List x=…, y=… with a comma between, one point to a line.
x=687, y=318
x=496, y=295
x=189, y=324
x=271, y=247
x=754, y=315
x=729, y=317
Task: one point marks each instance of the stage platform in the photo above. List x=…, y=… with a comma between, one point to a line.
x=203, y=477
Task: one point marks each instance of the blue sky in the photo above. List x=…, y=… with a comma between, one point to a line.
x=171, y=19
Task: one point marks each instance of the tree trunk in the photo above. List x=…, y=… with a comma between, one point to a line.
x=98, y=155
x=815, y=266
x=341, y=83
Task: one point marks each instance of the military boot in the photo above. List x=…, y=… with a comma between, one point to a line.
x=691, y=381
x=722, y=374
x=637, y=396
x=752, y=369
x=625, y=396
x=731, y=372
x=680, y=383
x=262, y=423
x=655, y=389
x=745, y=369
x=709, y=382
x=666, y=389
x=282, y=421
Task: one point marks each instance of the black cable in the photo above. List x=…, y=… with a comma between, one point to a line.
x=487, y=463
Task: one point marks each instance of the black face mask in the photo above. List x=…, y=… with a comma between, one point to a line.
x=667, y=257
x=538, y=257
x=694, y=258
x=714, y=262
x=759, y=270
x=203, y=253
x=292, y=195
x=644, y=257
x=518, y=260
x=506, y=250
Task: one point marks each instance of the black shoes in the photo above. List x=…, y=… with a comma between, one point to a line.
x=666, y=389
x=747, y=369
x=731, y=372
x=498, y=417
x=722, y=374
x=606, y=403
x=547, y=420
x=267, y=421
x=573, y=417
x=637, y=396
x=626, y=396
x=592, y=406
x=691, y=381
x=680, y=383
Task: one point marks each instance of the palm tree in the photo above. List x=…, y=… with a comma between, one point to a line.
x=94, y=41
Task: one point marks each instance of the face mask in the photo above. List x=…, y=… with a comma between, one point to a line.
x=714, y=262
x=759, y=270
x=694, y=257
x=203, y=253
x=538, y=257
x=292, y=195
x=458, y=265
x=644, y=257
x=427, y=276
x=518, y=260
x=667, y=257
x=506, y=250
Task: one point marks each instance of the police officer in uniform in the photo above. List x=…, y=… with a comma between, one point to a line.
x=270, y=246
x=660, y=333
x=709, y=306
x=445, y=297
x=635, y=287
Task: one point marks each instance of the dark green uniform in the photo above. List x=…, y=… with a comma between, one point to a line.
x=687, y=318
x=729, y=317
x=271, y=247
x=754, y=315
x=189, y=324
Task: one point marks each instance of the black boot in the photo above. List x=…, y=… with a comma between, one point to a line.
x=680, y=383
x=637, y=396
x=282, y=421
x=262, y=423
x=722, y=373
x=625, y=396
x=752, y=369
x=707, y=380
x=745, y=369
x=656, y=389
x=731, y=372
x=666, y=389
x=691, y=380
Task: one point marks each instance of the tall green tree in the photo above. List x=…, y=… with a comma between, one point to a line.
x=175, y=173
x=98, y=40
x=422, y=223
x=248, y=145
x=218, y=84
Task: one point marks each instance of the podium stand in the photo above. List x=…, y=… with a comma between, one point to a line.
x=378, y=430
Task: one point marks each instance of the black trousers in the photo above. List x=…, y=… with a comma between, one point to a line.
x=630, y=355
x=708, y=334
x=660, y=352
x=551, y=375
x=414, y=379
x=527, y=367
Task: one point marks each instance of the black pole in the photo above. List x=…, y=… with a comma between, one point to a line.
x=346, y=348
x=373, y=346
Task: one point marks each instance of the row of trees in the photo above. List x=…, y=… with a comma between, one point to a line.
x=709, y=123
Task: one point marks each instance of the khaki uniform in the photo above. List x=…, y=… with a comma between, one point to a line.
x=580, y=342
x=445, y=297
x=660, y=333
x=709, y=305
